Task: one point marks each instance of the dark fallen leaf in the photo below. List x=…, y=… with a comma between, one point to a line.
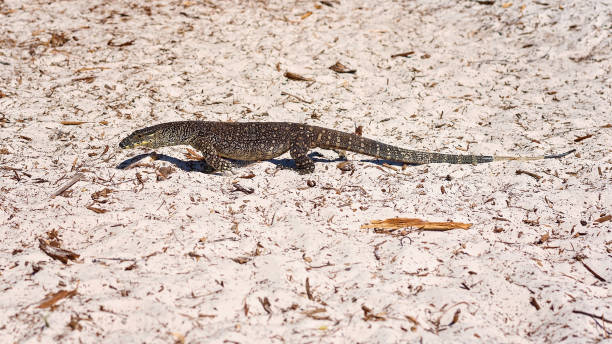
x=57, y=252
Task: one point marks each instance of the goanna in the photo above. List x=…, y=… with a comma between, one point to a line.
x=254, y=141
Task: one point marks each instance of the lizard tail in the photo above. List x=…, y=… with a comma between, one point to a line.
x=333, y=139
x=529, y=158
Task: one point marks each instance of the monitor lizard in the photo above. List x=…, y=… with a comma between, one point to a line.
x=254, y=141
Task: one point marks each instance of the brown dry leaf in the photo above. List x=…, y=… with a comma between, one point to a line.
x=241, y=260
x=193, y=155
x=4, y=151
x=52, y=299
x=604, y=219
x=506, y=5
x=369, y=315
x=58, y=39
x=306, y=15
x=294, y=76
x=72, y=122
x=402, y=222
x=96, y=210
x=340, y=68
x=99, y=196
x=164, y=172
x=265, y=303
x=57, y=252
x=345, y=166
x=248, y=176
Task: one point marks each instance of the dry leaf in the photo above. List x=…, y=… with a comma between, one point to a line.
x=193, y=155
x=294, y=76
x=306, y=15
x=52, y=299
x=58, y=39
x=96, y=210
x=340, y=68
x=399, y=222
x=57, y=252
x=164, y=172
x=506, y=5
x=241, y=260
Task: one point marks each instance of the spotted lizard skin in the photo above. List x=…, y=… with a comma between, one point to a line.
x=254, y=141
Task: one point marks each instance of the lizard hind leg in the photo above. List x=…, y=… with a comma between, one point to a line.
x=211, y=156
x=299, y=153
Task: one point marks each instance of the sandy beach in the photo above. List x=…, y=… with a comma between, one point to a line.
x=104, y=245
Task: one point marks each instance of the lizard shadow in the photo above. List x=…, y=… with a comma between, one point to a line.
x=185, y=165
x=318, y=157
x=202, y=166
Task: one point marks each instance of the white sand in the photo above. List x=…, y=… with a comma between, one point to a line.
x=527, y=79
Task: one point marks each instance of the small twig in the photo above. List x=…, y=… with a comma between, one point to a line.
x=283, y=93
x=599, y=317
x=580, y=138
x=531, y=174
x=66, y=186
x=308, y=291
x=406, y=54
x=581, y=260
x=500, y=218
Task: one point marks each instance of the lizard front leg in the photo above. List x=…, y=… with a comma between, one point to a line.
x=210, y=154
x=299, y=153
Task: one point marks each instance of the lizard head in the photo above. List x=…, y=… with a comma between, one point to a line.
x=148, y=137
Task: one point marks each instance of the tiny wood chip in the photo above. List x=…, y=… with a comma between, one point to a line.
x=57, y=252
x=402, y=222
